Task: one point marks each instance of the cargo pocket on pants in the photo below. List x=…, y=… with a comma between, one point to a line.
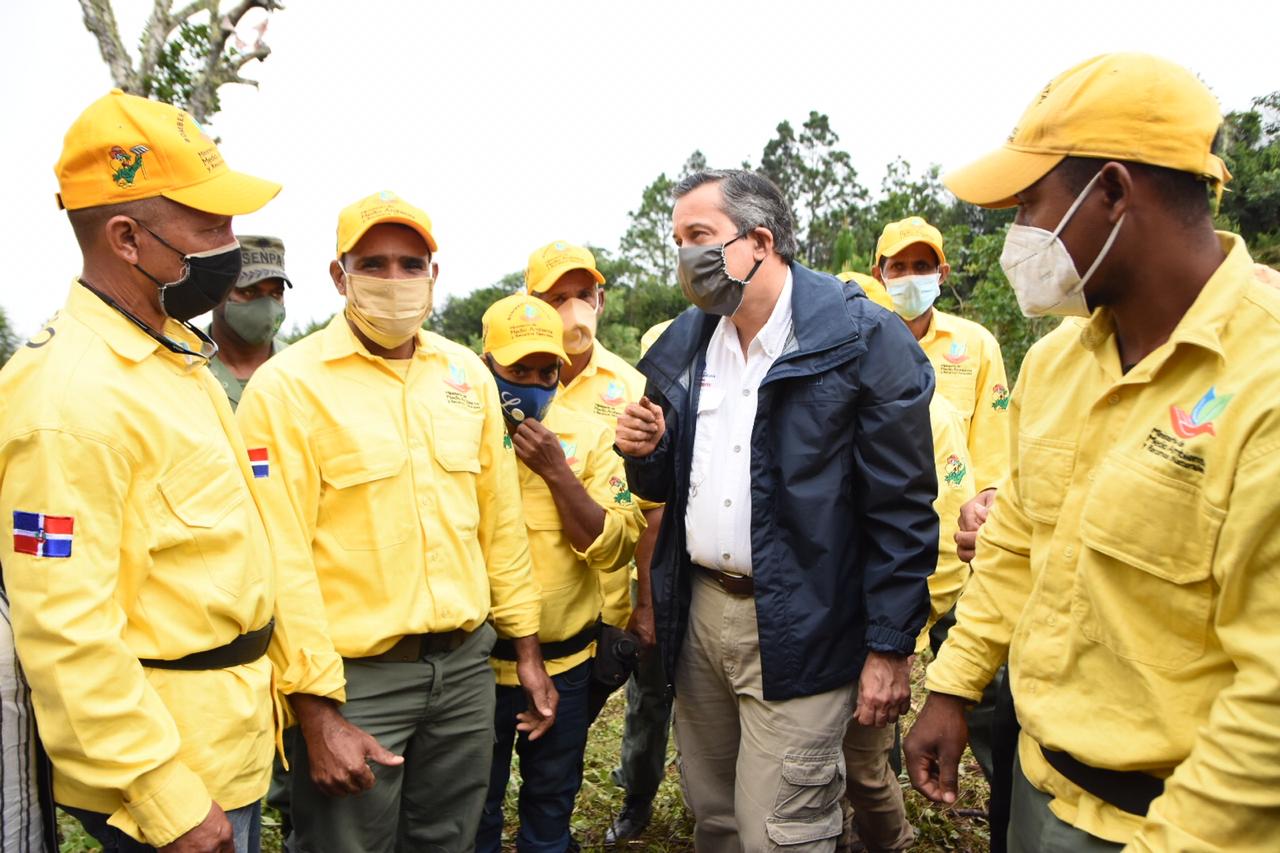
x=808, y=805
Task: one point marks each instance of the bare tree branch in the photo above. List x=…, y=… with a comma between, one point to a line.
x=218, y=65
x=159, y=27
x=100, y=19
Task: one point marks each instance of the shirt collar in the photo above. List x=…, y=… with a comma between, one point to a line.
x=773, y=336
x=122, y=334
x=593, y=365
x=939, y=324
x=1204, y=321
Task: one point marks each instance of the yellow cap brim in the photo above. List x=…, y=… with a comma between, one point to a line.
x=890, y=251
x=226, y=194
x=549, y=281
x=351, y=241
x=513, y=352
x=994, y=180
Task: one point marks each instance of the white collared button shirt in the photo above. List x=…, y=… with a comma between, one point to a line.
x=718, y=518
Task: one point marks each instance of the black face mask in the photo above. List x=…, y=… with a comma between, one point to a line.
x=205, y=283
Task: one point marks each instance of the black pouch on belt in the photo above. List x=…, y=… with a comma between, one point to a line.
x=617, y=655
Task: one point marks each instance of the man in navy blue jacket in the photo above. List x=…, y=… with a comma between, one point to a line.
x=786, y=427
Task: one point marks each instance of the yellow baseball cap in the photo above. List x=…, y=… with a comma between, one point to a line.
x=1118, y=106
x=519, y=325
x=386, y=206
x=548, y=264
x=901, y=234
x=875, y=290
x=125, y=148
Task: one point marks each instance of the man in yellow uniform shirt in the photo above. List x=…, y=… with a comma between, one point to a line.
x=137, y=563
x=879, y=815
x=394, y=501
x=1130, y=571
x=582, y=523
x=909, y=261
x=599, y=383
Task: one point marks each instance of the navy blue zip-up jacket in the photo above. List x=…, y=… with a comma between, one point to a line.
x=843, y=531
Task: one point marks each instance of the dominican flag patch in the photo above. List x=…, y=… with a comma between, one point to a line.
x=42, y=535
x=258, y=459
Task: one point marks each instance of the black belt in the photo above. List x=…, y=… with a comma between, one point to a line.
x=505, y=649
x=245, y=648
x=414, y=647
x=1128, y=790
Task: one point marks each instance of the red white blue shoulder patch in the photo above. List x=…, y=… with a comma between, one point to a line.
x=42, y=535
x=259, y=462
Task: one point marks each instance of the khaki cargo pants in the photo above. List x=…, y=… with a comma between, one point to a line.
x=757, y=775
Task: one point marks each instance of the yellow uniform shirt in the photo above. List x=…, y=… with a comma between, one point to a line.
x=399, y=501
x=569, y=578
x=168, y=555
x=1131, y=570
x=955, y=487
x=970, y=371
x=603, y=389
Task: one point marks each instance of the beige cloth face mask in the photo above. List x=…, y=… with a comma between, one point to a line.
x=579, y=325
x=388, y=311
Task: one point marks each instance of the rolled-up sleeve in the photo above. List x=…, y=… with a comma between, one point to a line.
x=606, y=482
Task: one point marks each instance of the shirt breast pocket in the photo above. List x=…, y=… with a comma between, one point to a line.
x=1044, y=471
x=203, y=504
x=706, y=432
x=365, y=503
x=456, y=446
x=457, y=442
x=1144, y=588
x=959, y=391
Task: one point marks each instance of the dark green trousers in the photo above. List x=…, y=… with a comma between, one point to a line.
x=438, y=713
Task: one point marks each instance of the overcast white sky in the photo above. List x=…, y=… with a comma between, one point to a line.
x=513, y=124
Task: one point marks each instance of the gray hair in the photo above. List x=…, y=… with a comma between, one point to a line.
x=751, y=201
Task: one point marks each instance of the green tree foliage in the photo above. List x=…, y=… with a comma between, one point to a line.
x=1251, y=149
x=647, y=244
x=8, y=339
x=301, y=330
x=838, y=223
x=459, y=318
x=818, y=179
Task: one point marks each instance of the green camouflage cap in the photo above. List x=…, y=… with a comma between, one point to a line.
x=261, y=258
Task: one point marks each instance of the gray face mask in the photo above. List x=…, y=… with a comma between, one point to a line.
x=706, y=281
x=256, y=321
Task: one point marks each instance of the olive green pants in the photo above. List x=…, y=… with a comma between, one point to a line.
x=1033, y=828
x=438, y=713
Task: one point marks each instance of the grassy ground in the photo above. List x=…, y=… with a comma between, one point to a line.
x=958, y=829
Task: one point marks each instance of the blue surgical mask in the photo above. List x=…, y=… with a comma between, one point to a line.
x=521, y=401
x=913, y=295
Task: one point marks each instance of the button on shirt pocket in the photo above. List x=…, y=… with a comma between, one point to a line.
x=203, y=506
x=1149, y=539
x=366, y=503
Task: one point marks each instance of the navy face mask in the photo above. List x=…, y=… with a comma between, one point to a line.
x=520, y=401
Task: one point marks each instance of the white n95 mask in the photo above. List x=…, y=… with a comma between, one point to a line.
x=1040, y=268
